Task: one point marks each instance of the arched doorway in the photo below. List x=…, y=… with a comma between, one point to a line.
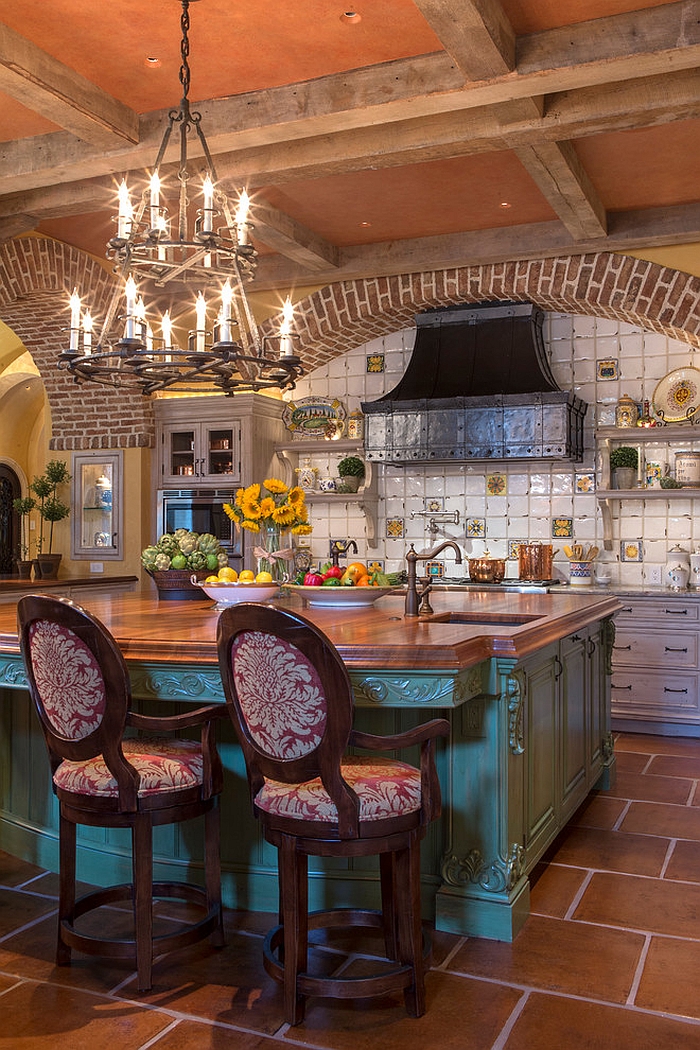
x=10, y=490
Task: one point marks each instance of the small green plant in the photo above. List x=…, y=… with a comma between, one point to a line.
x=624, y=456
x=351, y=467
x=50, y=507
x=24, y=506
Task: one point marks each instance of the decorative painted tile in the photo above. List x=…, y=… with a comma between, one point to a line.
x=434, y=504
x=562, y=527
x=476, y=527
x=631, y=550
x=377, y=565
x=395, y=528
x=435, y=569
x=496, y=484
x=514, y=549
x=375, y=362
x=585, y=482
x=607, y=369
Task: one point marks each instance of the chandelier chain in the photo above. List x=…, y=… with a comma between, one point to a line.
x=185, y=49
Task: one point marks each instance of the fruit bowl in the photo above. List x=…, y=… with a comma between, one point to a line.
x=340, y=597
x=224, y=593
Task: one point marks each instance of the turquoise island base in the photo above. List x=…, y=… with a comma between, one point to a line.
x=522, y=678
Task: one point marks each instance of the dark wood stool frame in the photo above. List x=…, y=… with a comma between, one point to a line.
x=396, y=839
x=140, y=813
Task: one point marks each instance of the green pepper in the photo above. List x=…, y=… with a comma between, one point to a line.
x=332, y=581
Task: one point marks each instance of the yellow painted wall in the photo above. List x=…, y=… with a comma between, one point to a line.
x=684, y=257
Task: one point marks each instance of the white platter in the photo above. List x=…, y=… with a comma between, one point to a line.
x=230, y=593
x=677, y=396
x=340, y=597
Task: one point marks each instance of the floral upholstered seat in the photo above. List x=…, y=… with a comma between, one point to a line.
x=79, y=683
x=291, y=702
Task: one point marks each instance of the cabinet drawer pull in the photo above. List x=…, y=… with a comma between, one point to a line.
x=591, y=647
x=626, y=608
x=670, y=649
x=676, y=612
x=667, y=690
x=613, y=686
x=622, y=648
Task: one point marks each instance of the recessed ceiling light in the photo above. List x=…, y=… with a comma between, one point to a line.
x=351, y=17
x=365, y=224
x=505, y=204
x=151, y=60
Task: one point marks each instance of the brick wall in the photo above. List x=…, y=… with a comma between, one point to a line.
x=37, y=276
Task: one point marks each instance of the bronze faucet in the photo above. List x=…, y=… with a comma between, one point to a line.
x=339, y=547
x=412, y=593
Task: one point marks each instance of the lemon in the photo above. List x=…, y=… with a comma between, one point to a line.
x=212, y=579
x=227, y=575
x=263, y=577
x=246, y=576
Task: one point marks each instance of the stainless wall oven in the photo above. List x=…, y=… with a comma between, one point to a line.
x=201, y=510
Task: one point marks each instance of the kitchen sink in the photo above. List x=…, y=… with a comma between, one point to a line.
x=485, y=619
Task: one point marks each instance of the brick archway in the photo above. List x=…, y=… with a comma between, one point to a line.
x=345, y=315
x=38, y=274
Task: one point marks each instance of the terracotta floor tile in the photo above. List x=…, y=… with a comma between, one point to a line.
x=604, y=968
x=46, y=1016
x=610, y=850
x=684, y=863
x=549, y=1023
x=193, y=1035
x=553, y=888
x=599, y=810
x=461, y=1015
x=653, y=788
x=657, y=745
x=669, y=982
x=14, y=872
x=676, y=766
x=655, y=905
x=657, y=818
x=18, y=908
x=630, y=761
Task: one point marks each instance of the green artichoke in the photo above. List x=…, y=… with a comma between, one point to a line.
x=162, y=563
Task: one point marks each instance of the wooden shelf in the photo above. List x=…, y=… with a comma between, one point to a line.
x=619, y=494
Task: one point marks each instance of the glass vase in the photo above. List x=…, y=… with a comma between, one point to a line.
x=269, y=542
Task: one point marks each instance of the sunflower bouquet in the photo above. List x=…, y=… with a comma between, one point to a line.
x=269, y=510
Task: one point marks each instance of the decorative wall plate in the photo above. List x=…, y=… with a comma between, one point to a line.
x=309, y=417
x=677, y=396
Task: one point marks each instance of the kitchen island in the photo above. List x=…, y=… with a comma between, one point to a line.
x=523, y=679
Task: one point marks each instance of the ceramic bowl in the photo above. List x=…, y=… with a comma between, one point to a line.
x=340, y=597
x=229, y=593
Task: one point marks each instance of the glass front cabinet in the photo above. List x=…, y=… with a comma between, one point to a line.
x=97, y=511
x=200, y=453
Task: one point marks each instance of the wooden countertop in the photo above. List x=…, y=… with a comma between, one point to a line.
x=14, y=585
x=375, y=638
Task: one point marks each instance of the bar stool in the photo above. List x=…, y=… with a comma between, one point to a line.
x=291, y=702
x=80, y=686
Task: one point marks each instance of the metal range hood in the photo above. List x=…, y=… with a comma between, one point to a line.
x=478, y=386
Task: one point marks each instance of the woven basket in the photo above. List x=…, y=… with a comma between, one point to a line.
x=175, y=585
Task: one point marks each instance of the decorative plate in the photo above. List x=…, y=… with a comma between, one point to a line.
x=311, y=416
x=230, y=593
x=677, y=395
x=340, y=597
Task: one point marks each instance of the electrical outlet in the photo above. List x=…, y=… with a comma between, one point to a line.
x=654, y=575
x=97, y=566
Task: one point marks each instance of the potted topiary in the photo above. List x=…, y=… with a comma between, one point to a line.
x=624, y=462
x=24, y=506
x=51, y=509
x=351, y=471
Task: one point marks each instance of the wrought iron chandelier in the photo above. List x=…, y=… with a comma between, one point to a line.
x=161, y=248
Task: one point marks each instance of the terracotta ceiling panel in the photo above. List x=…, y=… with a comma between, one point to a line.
x=419, y=200
x=644, y=168
x=17, y=122
x=532, y=16
x=239, y=47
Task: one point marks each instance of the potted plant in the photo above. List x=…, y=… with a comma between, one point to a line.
x=51, y=509
x=624, y=462
x=351, y=471
x=24, y=506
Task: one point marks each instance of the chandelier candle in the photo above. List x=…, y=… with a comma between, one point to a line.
x=74, y=320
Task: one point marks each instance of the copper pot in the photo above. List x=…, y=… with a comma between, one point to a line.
x=535, y=561
x=487, y=570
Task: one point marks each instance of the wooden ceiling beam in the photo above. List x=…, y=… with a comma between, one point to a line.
x=565, y=185
x=608, y=51
x=627, y=231
x=291, y=239
x=475, y=33
x=47, y=86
